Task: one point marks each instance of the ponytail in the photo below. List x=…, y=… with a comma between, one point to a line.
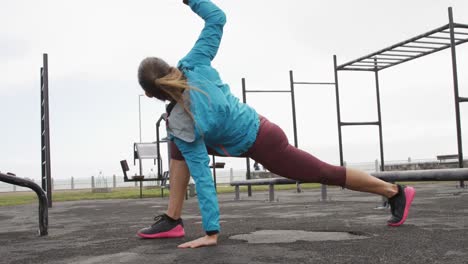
x=174, y=85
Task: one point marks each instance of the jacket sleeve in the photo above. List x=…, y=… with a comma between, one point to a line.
x=206, y=47
x=197, y=159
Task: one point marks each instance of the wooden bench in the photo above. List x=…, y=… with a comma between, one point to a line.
x=271, y=182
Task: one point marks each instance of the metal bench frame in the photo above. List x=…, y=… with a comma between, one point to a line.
x=271, y=182
x=41, y=195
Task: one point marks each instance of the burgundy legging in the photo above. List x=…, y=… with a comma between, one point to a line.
x=272, y=150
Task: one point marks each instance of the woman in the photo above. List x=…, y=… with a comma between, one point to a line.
x=205, y=118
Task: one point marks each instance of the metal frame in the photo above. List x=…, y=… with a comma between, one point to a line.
x=140, y=178
x=46, y=178
x=416, y=47
x=41, y=195
x=160, y=176
x=291, y=78
x=293, y=102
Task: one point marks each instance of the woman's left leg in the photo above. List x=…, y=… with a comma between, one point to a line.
x=273, y=151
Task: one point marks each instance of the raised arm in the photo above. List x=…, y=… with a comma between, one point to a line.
x=206, y=47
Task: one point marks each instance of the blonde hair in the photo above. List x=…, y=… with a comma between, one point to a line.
x=174, y=85
x=164, y=82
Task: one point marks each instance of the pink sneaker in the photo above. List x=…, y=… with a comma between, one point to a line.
x=400, y=205
x=164, y=227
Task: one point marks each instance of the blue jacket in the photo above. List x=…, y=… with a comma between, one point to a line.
x=221, y=121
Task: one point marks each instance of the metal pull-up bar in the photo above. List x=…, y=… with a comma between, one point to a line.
x=293, y=103
x=372, y=123
x=441, y=38
x=323, y=186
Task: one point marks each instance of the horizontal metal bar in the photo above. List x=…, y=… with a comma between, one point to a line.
x=267, y=91
x=427, y=53
x=417, y=47
x=383, y=58
x=430, y=42
x=357, y=64
x=458, y=25
x=144, y=179
x=41, y=195
x=456, y=33
x=462, y=99
x=398, y=55
x=423, y=175
x=408, y=51
x=266, y=181
x=435, y=37
x=373, y=62
x=360, y=123
x=315, y=83
x=348, y=68
x=396, y=45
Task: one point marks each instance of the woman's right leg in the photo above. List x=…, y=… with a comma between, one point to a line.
x=179, y=177
x=357, y=180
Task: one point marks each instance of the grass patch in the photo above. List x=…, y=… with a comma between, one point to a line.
x=20, y=198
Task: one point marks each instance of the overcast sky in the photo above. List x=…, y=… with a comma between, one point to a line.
x=95, y=48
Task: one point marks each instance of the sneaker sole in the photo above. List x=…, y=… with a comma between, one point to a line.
x=409, y=194
x=176, y=232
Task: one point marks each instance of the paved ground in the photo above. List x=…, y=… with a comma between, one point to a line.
x=253, y=230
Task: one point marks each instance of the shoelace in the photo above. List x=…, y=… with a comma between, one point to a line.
x=158, y=219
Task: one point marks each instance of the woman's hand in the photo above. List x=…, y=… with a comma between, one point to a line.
x=201, y=242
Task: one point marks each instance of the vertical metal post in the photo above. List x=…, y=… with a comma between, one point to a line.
x=293, y=103
x=140, y=162
x=214, y=172
x=338, y=113
x=158, y=140
x=323, y=189
x=141, y=189
x=455, y=88
x=379, y=112
x=72, y=183
x=43, y=150
x=244, y=99
x=45, y=133
x=271, y=192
